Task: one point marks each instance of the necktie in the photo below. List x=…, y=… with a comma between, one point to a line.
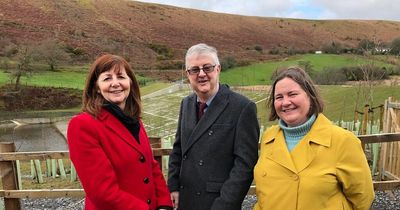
x=200, y=112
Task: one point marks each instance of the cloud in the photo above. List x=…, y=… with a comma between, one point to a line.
x=305, y=9
x=366, y=9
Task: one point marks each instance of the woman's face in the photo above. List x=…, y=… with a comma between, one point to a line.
x=291, y=102
x=114, y=86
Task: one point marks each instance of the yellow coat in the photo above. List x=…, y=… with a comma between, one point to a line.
x=327, y=170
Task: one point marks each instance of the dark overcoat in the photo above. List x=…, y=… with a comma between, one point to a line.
x=212, y=161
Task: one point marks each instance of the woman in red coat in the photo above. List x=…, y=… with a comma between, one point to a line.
x=109, y=146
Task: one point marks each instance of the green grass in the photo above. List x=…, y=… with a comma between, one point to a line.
x=260, y=74
x=340, y=102
x=67, y=78
x=152, y=87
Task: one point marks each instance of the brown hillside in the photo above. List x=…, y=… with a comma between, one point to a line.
x=129, y=27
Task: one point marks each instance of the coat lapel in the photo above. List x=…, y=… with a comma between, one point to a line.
x=307, y=149
x=115, y=126
x=277, y=149
x=216, y=107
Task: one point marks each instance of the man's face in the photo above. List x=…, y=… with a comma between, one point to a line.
x=204, y=84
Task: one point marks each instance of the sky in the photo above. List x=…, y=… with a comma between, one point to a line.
x=302, y=9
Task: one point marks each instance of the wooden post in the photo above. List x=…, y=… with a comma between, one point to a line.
x=73, y=173
x=155, y=142
x=63, y=175
x=19, y=180
x=38, y=169
x=53, y=168
x=381, y=110
x=48, y=167
x=8, y=177
x=33, y=172
x=365, y=120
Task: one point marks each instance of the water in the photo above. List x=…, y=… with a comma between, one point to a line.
x=35, y=137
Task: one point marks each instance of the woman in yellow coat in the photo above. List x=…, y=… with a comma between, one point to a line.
x=306, y=162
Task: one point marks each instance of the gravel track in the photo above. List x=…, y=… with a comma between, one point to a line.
x=383, y=201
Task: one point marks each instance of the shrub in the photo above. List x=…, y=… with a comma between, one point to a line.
x=163, y=51
x=258, y=48
x=169, y=64
x=330, y=76
x=365, y=72
x=274, y=51
x=332, y=48
x=228, y=62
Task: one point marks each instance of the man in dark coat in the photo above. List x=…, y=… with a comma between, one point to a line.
x=215, y=150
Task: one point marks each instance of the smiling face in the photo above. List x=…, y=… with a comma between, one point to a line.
x=114, y=86
x=204, y=84
x=291, y=102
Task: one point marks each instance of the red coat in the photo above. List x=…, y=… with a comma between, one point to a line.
x=116, y=171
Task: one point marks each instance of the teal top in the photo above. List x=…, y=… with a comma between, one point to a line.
x=293, y=135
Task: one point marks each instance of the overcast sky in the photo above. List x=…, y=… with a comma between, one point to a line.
x=303, y=9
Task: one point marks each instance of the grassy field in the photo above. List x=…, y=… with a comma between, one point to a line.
x=66, y=77
x=340, y=100
x=260, y=74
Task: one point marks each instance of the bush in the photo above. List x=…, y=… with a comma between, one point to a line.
x=394, y=70
x=332, y=48
x=258, y=48
x=330, y=76
x=274, y=51
x=10, y=50
x=163, y=51
x=169, y=64
x=365, y=72
x=395, y=47
x=291, y=51
x=228, y=63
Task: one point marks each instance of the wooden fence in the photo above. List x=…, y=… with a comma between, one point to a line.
x=8, y=173
x=389, y=163
x=12, y=194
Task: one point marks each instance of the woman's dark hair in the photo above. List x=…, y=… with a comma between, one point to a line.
x=303, y=79
x=93, y=100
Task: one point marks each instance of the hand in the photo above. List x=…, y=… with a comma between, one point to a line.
x=175, y=199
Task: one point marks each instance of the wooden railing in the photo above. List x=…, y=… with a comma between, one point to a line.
x=12, y=194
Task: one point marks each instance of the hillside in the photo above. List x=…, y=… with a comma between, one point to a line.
x=132, y=28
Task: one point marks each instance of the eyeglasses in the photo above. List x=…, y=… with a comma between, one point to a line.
x=208, y=68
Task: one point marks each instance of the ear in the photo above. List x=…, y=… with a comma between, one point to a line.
x=218, y=68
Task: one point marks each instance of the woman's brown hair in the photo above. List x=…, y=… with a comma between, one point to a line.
x=93, y=100
x=298, y=75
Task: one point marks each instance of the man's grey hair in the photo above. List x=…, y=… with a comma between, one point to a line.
x=201, y=49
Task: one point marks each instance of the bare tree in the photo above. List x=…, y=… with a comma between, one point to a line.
x=24, y=61
x=51, y=52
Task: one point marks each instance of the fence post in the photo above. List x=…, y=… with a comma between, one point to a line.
x=8, y=177
x=155, y=142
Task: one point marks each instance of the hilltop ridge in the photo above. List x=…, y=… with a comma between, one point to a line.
x=151, y=34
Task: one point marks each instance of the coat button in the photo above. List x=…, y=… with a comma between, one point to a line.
x=181, y=186
x=142, y=159
x=198, y=193
x=201, y=162
x=210, y=133
x=184, y=157
x=146, y=180
x=264, y=174
x=148, y=201
x=295, y=177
